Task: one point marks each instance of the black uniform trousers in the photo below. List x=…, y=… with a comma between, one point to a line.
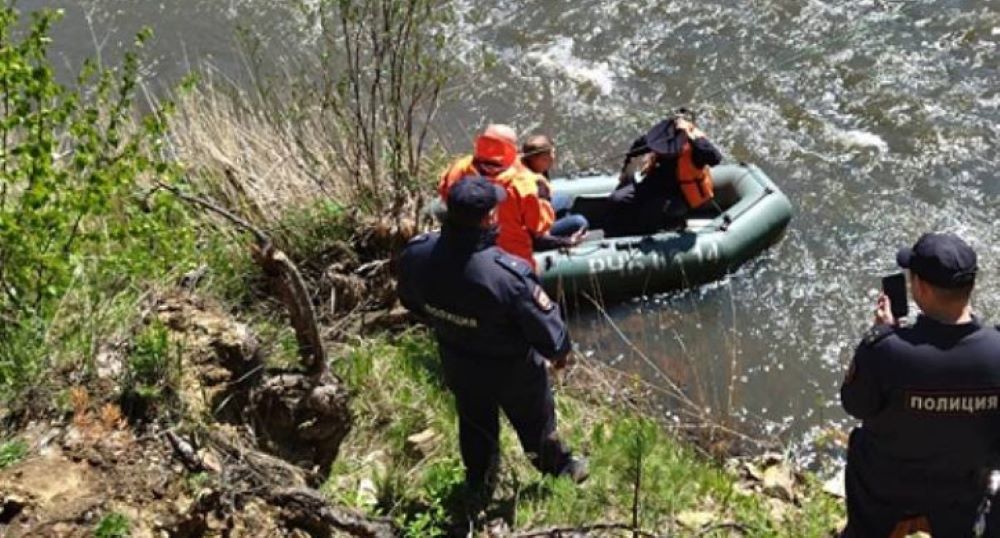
x=521, y=388
x=951, y=514
x=631, y=213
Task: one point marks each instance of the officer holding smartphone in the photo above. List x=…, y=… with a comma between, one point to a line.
x=928, y=395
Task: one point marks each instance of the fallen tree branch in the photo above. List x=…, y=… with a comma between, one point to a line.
x=743, y=529
x=559, y=532
x=285, y=277
x=261, y=237
x=308, y=509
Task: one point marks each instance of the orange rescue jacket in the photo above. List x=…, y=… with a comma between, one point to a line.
x=522, y=216
x=696, y=183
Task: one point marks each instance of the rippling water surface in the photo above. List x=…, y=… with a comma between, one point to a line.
x=878, y=119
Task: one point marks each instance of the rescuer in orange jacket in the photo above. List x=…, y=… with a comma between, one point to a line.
x=524, y=215
x=676, y=178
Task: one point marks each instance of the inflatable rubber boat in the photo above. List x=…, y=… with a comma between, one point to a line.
x=750, y=214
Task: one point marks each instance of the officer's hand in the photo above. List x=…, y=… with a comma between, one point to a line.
x=578, y=237
x=689, y=128
x=883, y=311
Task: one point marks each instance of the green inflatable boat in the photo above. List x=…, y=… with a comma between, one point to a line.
x=750, y=215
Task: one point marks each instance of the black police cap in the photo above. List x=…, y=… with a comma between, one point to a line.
x=942, y=259
x=471, y=198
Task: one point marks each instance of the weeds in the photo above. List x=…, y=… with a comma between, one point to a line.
x=78, y=241
x=113, y=525
x=641, y=477
x=12, y=452
x=153, y=369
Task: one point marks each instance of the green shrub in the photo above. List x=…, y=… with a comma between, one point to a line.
x=79, y=229
x=152, y=371
x=113, y=525
x=12, y=452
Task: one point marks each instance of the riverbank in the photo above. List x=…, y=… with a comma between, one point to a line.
x=201, y=337
x=402, y=461
x=399, y=462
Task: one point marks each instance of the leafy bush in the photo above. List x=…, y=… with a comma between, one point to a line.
x=75, y=227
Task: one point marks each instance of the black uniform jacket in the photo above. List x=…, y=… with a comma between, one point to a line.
x=662, y=181
x=929, y=398
x=481, y=302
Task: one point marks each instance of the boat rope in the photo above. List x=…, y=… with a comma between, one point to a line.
x=810, y=50
x=673, y=389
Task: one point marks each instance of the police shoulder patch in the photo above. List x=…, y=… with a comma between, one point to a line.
x=514, y=264
x=542, y=299
x=876, y=334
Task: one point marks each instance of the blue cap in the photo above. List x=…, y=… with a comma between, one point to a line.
x=942, y=259
x=471, y=198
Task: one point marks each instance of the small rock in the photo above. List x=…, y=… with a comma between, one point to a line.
x=210, y=461
x=778, y=510
x=367, y=493
x=695, y=520
x=422, y=444
x=779, y=482
x=497, y=528
x=835, y=486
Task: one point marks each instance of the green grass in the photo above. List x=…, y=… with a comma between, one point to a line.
x=113, y=525
x=12, y=452
x=399, y=392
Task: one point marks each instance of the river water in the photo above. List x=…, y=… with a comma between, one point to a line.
x=880, y=120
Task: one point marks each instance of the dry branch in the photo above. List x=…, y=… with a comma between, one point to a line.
x=564, y=532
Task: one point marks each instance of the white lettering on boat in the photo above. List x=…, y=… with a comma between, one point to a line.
x=631, y=262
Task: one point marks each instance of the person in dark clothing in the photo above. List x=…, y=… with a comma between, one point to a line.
x=538, y=154
x=495, y=328
x=675, y=157
x=928, y=396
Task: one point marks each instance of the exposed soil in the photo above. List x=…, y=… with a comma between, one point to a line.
x=241, y=463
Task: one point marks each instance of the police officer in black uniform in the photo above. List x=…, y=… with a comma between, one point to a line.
x=928, y=396
x=495, y=327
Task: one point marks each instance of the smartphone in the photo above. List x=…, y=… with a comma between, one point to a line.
x=894, y=286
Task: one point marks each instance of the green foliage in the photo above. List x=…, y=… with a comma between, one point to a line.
x=439, y=498
x=113, y=525
x=153, y=368
x=12, y=452
x=80, y=226
x=630, y=457
x=315, y=233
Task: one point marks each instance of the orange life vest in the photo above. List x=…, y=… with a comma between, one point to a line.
x=522, y=216
x=696, y=183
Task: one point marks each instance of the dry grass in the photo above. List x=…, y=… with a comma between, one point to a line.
x=257, y=162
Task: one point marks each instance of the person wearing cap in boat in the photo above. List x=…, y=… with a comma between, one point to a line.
x=524, y=215
x=538, y=154
x=675, y=158
x=928, y=395
x=496, y=328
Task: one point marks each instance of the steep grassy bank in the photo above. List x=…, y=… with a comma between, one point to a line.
x=402, y=461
